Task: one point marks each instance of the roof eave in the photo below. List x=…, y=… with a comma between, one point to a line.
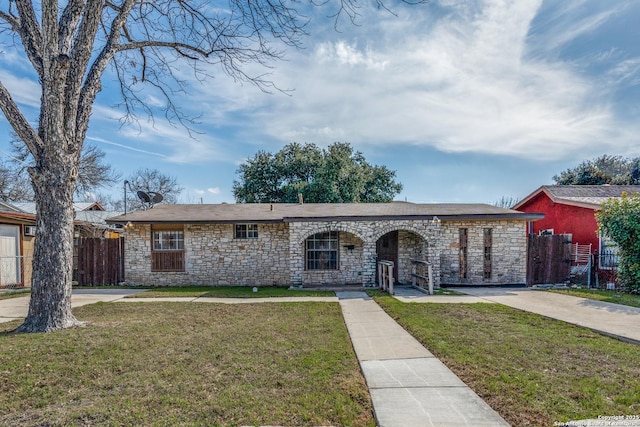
x=194, y=221
x=523, y=216
x=542, y=188
x=593, y=206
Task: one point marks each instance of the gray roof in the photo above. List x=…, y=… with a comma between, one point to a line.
x=280, y=212
x=96, y=217
x=8, y=207
x=30, y=207
x=590, y=196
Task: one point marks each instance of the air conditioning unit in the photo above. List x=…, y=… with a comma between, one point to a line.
x=29, y=230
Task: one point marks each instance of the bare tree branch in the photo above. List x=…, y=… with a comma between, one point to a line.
x=18, y=122
x=30, y=33
x=148, y=43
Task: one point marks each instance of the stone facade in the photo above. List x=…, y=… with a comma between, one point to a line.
x=359, y=266
x=508, y=252
x=214, y=257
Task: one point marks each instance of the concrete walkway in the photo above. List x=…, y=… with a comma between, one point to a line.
x=615, y=320
x=408, y=385
x=18, y=307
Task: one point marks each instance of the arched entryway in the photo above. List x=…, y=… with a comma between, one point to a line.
x=401, y=247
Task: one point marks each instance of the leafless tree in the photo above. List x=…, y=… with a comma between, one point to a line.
x=109, y=202
x=14, y=186
x=71, y=43
x=93, y=172
x=152, y=181
x=506, y=202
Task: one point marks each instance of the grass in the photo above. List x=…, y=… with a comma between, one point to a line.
x=632, y=300
x=229, y=292
x=446, y=291
x=438, y=291
x=190, y=364
x=7, y=294
x=532, y=370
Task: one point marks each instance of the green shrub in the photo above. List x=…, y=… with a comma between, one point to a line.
x=619, y=219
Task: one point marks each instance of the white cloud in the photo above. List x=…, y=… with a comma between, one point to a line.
x=124, y=146
x=462, y=83
x=215, y=191
x=23, y=90
x=626, y=71
x=461, y=76
x=348, y=54
x=158, y=137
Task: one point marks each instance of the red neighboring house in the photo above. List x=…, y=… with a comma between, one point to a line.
x=570, y=209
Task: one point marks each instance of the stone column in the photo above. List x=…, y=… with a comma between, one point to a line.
x=296, y=255
x=434, y=251
x=369, y=263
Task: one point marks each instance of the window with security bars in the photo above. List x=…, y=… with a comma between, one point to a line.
x=167, y=251
x=463, y=234
x=246, y=231
x=488, y=243
x=322, y=251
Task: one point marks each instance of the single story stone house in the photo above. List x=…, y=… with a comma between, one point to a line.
x=322, y=244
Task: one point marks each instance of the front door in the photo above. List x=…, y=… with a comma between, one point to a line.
x=387, y=250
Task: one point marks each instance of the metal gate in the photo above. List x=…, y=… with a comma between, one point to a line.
x=100, y=262
x=549, y=259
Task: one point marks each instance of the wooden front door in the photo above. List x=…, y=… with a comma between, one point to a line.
x=387, y=250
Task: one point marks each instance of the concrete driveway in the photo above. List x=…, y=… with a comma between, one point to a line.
x=616, y=320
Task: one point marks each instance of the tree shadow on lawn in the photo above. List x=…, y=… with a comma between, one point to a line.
x=187, y=363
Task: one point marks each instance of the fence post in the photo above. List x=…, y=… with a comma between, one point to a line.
x=414, y=272
x=430, y=275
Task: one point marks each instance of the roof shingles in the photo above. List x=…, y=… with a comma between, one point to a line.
x=588, y=196
x=279, y=212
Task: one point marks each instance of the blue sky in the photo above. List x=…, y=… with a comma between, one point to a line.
x=468, y=100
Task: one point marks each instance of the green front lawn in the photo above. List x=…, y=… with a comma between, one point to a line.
x=186, y=364
x=229, y=292
x=632, y=300
x=533, y=370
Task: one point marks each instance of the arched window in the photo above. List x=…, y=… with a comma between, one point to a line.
x=321, y=251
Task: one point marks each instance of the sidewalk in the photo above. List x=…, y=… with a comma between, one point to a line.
x=18, y=307
x=409, y=386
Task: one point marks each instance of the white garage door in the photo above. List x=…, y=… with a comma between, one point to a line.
x=9, y=255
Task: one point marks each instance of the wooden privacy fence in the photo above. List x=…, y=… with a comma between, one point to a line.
x=100, y=262
x=549, y=259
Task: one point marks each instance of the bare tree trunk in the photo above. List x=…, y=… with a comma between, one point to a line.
x=50, y=305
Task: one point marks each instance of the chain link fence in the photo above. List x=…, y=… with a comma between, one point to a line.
x=15, y=271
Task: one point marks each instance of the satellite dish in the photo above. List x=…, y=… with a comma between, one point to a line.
x=144, y=197
x=156, y=198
